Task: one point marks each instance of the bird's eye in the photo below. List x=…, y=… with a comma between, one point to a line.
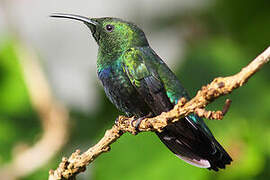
x=109, y=27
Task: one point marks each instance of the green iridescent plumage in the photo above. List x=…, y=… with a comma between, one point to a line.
x=138, y=82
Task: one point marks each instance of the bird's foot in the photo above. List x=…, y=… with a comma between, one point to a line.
x=138, y=122
x=116, y=121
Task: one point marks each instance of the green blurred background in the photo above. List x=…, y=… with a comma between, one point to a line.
x=217, y=38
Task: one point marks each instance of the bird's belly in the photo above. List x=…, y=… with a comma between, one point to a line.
x=122, y=93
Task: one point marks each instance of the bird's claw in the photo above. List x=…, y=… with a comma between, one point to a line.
x=138, y=122
x=116, y=121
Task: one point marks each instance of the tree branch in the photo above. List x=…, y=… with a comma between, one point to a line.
x=76, y=163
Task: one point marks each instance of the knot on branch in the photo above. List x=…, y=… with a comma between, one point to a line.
x=218, y=115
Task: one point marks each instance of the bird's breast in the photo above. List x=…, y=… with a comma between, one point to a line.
x=121, y=92
x=114, y=79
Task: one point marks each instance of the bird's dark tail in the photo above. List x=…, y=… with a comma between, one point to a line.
x=195, y=144
x=223, y=158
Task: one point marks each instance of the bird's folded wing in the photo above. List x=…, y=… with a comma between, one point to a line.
x=146, y=81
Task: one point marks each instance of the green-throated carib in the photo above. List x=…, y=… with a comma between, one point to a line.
x=139, y=83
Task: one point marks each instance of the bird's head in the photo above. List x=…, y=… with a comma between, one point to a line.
x=111, y=34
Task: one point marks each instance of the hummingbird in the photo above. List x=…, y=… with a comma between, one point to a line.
x=139, y=83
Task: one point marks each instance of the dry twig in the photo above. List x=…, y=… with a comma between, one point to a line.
x=76, y=163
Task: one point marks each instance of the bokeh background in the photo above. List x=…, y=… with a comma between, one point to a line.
x=52, y=103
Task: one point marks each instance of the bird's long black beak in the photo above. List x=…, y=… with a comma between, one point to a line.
x=75, y=17
x=90, y=23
